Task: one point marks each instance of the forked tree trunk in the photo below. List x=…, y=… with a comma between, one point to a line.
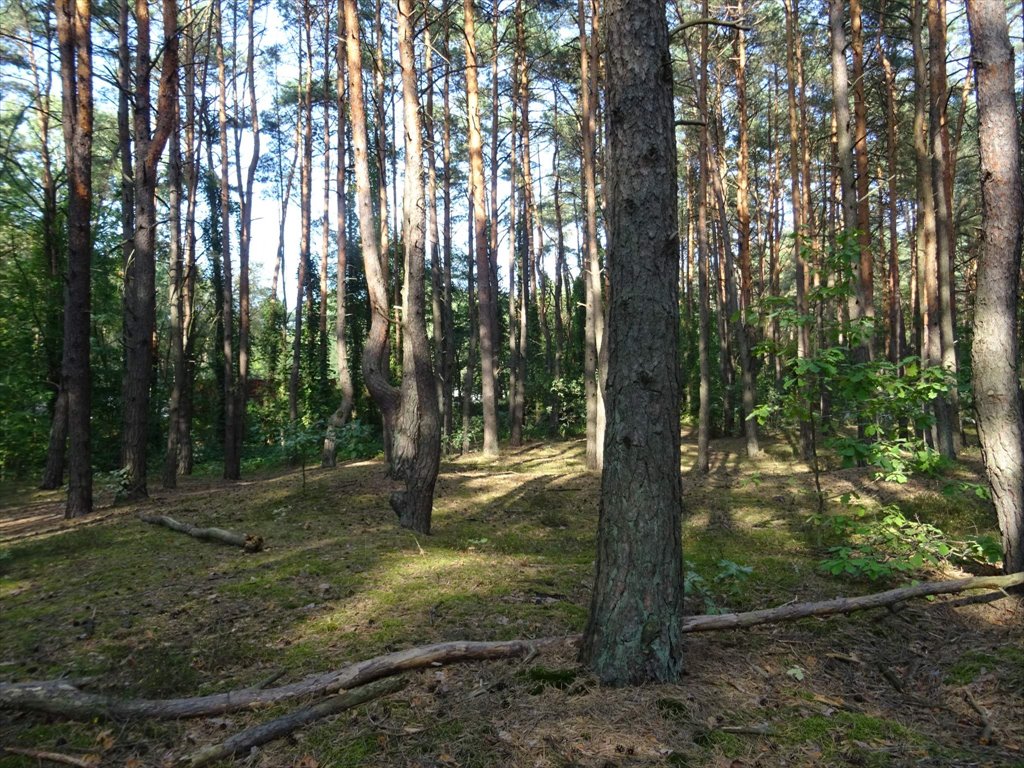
x=995, y=353
x=634, y=629
x=411, y=413
x=140, y=273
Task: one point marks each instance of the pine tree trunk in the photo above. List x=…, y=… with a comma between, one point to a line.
x=140, y=273
x=486, y=298
x=995, y=354
x=594, y=332
x=633, y=632
x=74, y=36
x=339, y=418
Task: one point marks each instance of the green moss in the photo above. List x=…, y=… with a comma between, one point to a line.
x=1007, y=660
x=545, y=677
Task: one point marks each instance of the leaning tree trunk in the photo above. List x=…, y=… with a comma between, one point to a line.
x=634, y=631
x=995, y=354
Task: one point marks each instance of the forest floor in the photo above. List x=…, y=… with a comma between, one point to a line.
x=148, y=612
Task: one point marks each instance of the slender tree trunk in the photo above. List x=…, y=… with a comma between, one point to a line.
x=232, y=461
x=865, y=273
x=594, y=332
x=305, y=108
x=175, y=284
x=557, y=373
x=995, y=353
x=703, y=256
x=340, y=417
x=140, y=274
x=897, y=346
x=191, y=170
x=74, y=41
x=633, y=632
x=794, y=77
x=487, y=301
x=448, y=366
x=948, y=412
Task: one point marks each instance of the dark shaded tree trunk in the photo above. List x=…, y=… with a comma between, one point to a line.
x=634, y=630
x=74, y=41
x=995, y=353
x=140, y=272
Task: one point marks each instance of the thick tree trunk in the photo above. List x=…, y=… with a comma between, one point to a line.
x=995, y=354
x=74, y=38
x=305, y=117
x=634, y=630
x=417, y=448
x=486, y=299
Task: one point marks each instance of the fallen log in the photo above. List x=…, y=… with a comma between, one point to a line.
x=59, y=697
x=257, y=735
x=247, y=541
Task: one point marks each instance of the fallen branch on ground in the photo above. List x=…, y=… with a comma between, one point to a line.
x=279, y=727
x=89, y=761
x=59, y=697
x=247, y=541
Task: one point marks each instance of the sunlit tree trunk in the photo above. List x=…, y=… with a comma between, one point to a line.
x=703, y=257
x=633, y=629
x=948, y=411
x=486, y=299
x=995, y=353
x=304, y=113
x=594, y=332
x=339, y=418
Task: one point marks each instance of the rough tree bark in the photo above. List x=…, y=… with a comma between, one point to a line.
x=634, y=630
x=339, y=418
x=488, y=318
x=140, y=272
x=74, y=41
x=411, y=413
x=995, y=357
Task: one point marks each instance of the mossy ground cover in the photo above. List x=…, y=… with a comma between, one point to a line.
x=147, y=612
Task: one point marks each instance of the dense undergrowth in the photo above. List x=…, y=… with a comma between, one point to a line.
x=152, y=613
